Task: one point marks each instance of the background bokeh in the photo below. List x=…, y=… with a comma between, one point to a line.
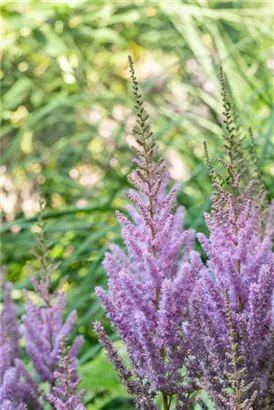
x=67, y=114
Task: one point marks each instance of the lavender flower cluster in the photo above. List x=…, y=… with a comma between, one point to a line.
x=191, y=323
x=190, y=326
x=43, y=332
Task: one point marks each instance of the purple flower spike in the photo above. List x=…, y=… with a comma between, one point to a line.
x=232, y=328
x=150, y=286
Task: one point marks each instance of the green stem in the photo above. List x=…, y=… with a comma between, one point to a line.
x=165, y=401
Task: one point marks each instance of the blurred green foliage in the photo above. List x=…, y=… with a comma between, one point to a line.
x=67, y=114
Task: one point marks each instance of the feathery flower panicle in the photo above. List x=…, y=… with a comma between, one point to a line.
x=43, y=327
x=42, y=330
x=236, y=328
x=150, y=286
x=63, y=395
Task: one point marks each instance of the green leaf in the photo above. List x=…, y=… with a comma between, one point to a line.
x=39, y=37
x=107, y=35
x=17, y=93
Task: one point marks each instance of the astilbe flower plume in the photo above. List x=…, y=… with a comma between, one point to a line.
x=63, y=396
x=43, y=327
x=150, y=286
x=232, y=322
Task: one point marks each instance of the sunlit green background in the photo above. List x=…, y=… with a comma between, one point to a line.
x=67, y=113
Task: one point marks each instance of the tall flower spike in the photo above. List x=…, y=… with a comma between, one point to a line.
x=240, y=262
x=43, y=326
x=154, y=275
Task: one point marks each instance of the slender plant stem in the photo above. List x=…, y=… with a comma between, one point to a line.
x=165, y=401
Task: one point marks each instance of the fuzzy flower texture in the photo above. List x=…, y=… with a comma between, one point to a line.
x=189, y=326
x=150, y=286
x=232, y=309
x=43, y=331
x=63, y=395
